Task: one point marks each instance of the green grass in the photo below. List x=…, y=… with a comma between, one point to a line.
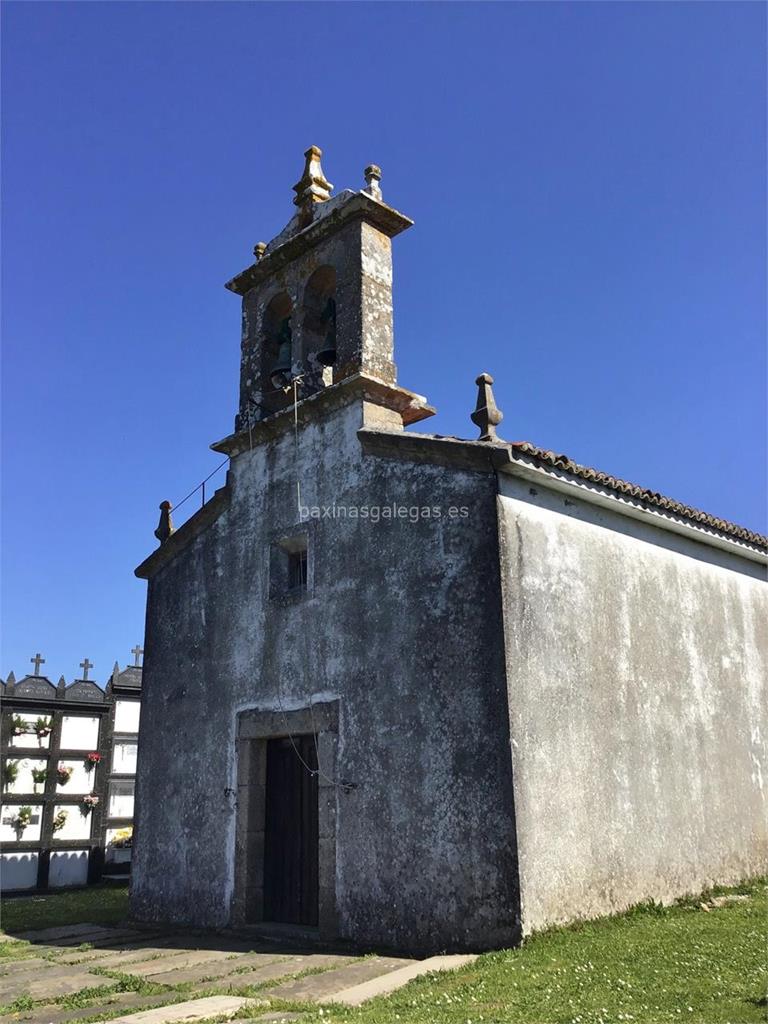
x=649, y=966
x=99, y=904
x=652, y=965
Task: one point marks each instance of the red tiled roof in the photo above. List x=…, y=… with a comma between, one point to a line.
x=638, y=493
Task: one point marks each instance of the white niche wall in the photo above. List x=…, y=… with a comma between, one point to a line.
x=19, y=870
x=68, y=867
x=80, y=781
x=31, y=833
x=127, y=715
x=79, y=733
x=77, y=825
x=31, y=739
x=24, y=783
x=124, y=756
x=121, y=798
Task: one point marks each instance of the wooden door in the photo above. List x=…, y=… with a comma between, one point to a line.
x=291, y=834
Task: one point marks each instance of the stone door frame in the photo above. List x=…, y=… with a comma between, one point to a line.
x=254, y=728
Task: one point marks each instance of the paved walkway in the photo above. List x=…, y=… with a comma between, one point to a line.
x=180, y=977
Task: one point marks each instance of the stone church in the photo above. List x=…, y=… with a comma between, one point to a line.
x=421, y=692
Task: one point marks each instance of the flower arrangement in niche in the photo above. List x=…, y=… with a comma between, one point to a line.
x=18, y=726
x=23, y=818
x=60, y=820
x=10, y=772
x=123, y=839
x=89, y=802
x=39, y=775
x=91, y=760
x=43, y=728
x=63, y=774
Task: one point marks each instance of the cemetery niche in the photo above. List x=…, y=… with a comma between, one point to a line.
x=68, y=757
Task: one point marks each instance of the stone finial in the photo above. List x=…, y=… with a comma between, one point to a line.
x=165, y=526
x=313, y=186
x=10, y=681
x=486, y=415
x=372, y=178
x=61, y=688
x=259, y=249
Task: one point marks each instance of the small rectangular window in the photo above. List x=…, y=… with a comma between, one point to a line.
x=297, y=570
x=289, y=568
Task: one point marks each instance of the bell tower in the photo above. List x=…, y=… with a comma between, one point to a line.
x=317, y=301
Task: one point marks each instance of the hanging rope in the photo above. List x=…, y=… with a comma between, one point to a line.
x=305, y=647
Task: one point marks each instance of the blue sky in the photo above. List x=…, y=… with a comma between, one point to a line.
x=587, y=182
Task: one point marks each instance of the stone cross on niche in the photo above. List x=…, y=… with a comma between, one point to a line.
x=38, y=660
x=85, y=665
x=137, y=653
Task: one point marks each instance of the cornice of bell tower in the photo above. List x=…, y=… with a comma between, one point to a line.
x=317, y=300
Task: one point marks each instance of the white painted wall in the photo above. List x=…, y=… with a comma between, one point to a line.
x=68, y=867
x=636, y=675
x=79, y=733
x=18, y=871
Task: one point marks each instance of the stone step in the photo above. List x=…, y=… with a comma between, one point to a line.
x=20, y=966
x=187, y=1012
x=52, y=1013
x=50, y=983
x=96, y=935
x=186, y=958
x=176, y=945
x=214, y=971
x=100, y=937
x=133, y=949
x=50, y=934
x=315, y=986
x=282, y=969
x=110, y=959
x=387, y=983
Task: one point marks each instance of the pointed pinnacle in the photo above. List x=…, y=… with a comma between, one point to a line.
x=165, y=526
x=312, y=186
x=487, y=416
x=372, y=174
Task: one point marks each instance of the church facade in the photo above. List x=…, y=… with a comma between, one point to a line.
x=421, y=692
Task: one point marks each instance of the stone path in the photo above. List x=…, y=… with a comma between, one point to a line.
x=183, y=977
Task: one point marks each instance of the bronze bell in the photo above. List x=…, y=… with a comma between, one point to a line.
x=327, y=354
x=280, y=374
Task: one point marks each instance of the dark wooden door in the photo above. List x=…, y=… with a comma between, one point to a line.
x=290, y=839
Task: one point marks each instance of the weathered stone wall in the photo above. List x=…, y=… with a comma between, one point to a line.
x=636, y=668
x=401, y=624
x=361, y=257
